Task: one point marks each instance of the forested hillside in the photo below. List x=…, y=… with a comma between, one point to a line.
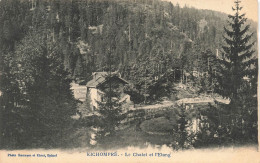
x=131, y=31
x=142, y=36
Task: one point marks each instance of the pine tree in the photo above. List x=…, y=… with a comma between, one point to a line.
x=79, y=70
x=12, y=15
x=238, y=60
x=110, y=107
x=238, y=63
x=11, y=122
x=48, y=103
x=110, y=111
x=208, y=65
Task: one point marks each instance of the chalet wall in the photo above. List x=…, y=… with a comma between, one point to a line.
x=79, y=91
x=93, y=92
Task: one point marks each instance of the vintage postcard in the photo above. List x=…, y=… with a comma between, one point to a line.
x=129, y=81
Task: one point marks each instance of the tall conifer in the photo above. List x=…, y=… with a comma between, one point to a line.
x=237, y=75
x=238, y=61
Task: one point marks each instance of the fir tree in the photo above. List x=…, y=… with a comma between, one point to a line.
x=237, y=64
x=12, y=16
x=48, y=103
x=109, y=107
x=110, y=111
x=208, y=65
x=238, y=60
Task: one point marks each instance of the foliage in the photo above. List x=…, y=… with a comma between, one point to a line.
x=12, y=30
x=43, y=46
x=156, y=32
x=238, y=64
x=45, y=103
x=110, y=112
x=238, y=60
x=214, y=129
x=45, y=86
x=135, y=95
x=159, y=126
x=182, y=138
x=208, y=64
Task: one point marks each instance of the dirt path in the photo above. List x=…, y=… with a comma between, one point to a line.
x=156, y=106
x=195, y=100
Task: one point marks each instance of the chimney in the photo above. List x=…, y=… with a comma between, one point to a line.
x=94, y=75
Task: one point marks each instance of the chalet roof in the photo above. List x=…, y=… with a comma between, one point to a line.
x=100, y=77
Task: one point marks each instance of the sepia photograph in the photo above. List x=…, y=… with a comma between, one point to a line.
x=129, y=81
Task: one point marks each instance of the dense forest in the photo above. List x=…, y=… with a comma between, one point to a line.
x=44, y=45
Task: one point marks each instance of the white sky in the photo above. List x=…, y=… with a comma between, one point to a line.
x=249, y=6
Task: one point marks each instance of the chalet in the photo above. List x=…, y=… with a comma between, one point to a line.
x=100, y=82
x=79, y=91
